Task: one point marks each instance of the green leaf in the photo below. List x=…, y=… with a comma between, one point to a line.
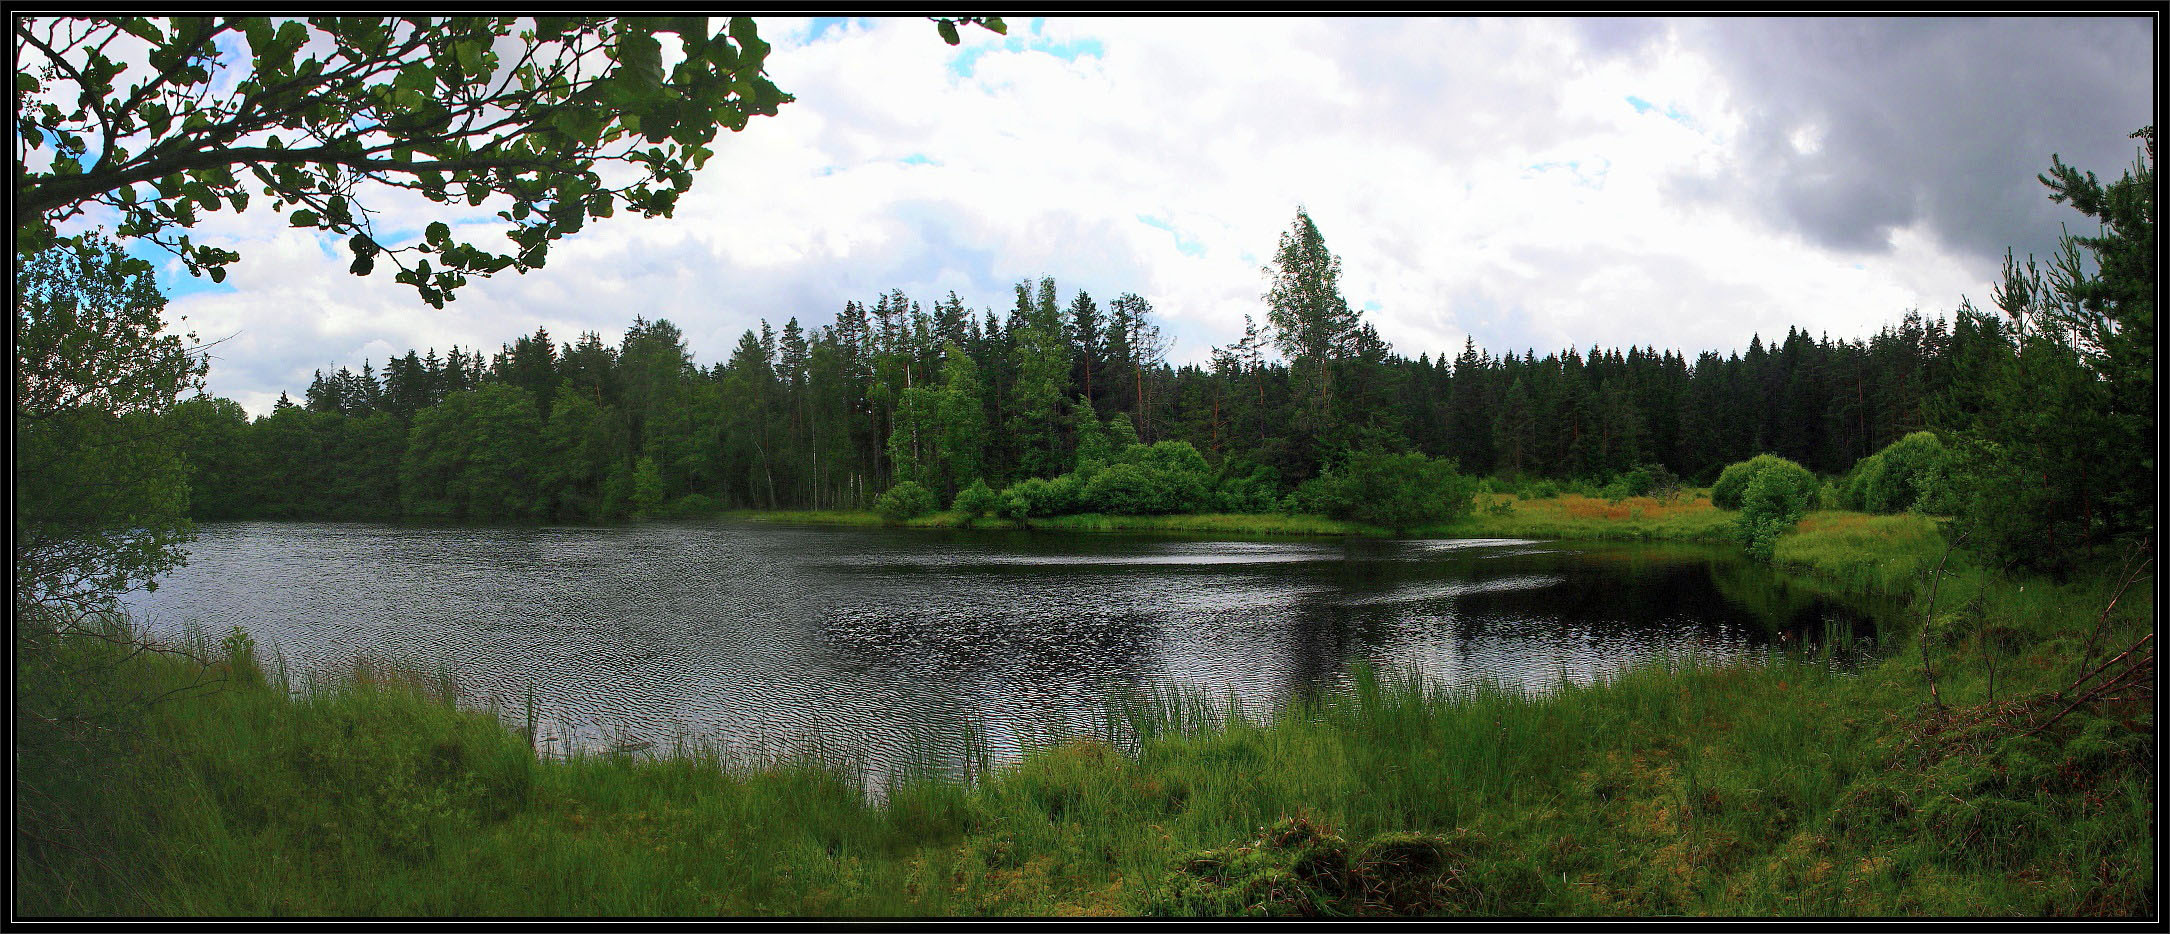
x=949, y=31
x=303, y=218
x=142, y=29
x=551, y=27
x=641, y=54
x=437, y=232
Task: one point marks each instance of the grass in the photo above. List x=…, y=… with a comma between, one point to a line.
x=1569, y=516
x=1572, y=516
x=1780, y=788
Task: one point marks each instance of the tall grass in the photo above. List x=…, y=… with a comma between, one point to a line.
x=1573, y=516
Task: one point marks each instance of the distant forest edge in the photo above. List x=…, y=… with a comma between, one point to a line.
x=1072, y=407
x=828, y=418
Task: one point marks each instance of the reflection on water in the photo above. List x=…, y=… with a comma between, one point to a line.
x=773, y=638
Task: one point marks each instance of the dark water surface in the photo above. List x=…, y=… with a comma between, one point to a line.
x=771, y=638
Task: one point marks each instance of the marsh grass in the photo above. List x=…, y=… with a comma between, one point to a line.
x=1572, y=516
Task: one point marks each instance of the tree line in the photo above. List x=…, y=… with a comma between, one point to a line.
x=893, y=390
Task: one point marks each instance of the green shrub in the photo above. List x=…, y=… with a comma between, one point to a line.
x=1245, y=494
x=240, y=651
x=1148, y=481
x=1778, y=494
x=906, y=500
x=1122, y=489
x=1392, y=490
x=1015, y=502
x=1646, y=480
x=1732, y=483
x=1909, y=475
x=1036, y=497
x=975, y=501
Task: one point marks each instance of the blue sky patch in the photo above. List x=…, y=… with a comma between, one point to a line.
x=178, y=283
x=1588, y=177
x=823, y=25
x=1186, y=245
x=1670, y=113
x=1034, y=39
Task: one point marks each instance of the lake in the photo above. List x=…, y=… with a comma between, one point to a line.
x=900, y=644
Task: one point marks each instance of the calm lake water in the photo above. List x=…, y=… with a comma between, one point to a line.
x=897, y=642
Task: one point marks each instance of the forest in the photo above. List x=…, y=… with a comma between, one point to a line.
x=948, y=399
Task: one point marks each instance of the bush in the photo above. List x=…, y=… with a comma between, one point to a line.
x=1912, y=474
x=1015, y=502
x=1393, y=490
x=1732, y=484
x=907, y=500
x=1121, y=489
x=1169, y=477
x=1647, y=480
x=1036, y=497
x=1245, y=494
x=975, y=501
x=1778, y=494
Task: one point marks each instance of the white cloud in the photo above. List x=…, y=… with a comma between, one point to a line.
x=1488, y=178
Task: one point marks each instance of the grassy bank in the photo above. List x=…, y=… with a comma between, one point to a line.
x=1773, y=789
x=1691, y=519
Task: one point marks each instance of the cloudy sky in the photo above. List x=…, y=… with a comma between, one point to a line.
x=1531, y=183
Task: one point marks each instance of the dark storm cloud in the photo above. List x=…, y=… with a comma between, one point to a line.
x=1944, y=120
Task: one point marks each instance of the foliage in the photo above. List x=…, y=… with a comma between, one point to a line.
x=1778, y=493
x=906, y=500
x=1646, y=480
x=1913, y=474
x=975, y=501
x=825, y=417
x=1397, y=491
x=2056, y=442
x=1732, y=482
x=101, y=493
x=809, y=418
x=1335, y=359
x=479, y=455
x=544, y=124
x=1167, y=477
x=1251, y=492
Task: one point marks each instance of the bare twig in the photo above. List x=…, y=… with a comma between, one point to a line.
x=2142, y=666
x=1928, y=615
x=2129, y=574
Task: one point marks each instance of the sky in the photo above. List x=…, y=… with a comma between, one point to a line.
x=1526, y=183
